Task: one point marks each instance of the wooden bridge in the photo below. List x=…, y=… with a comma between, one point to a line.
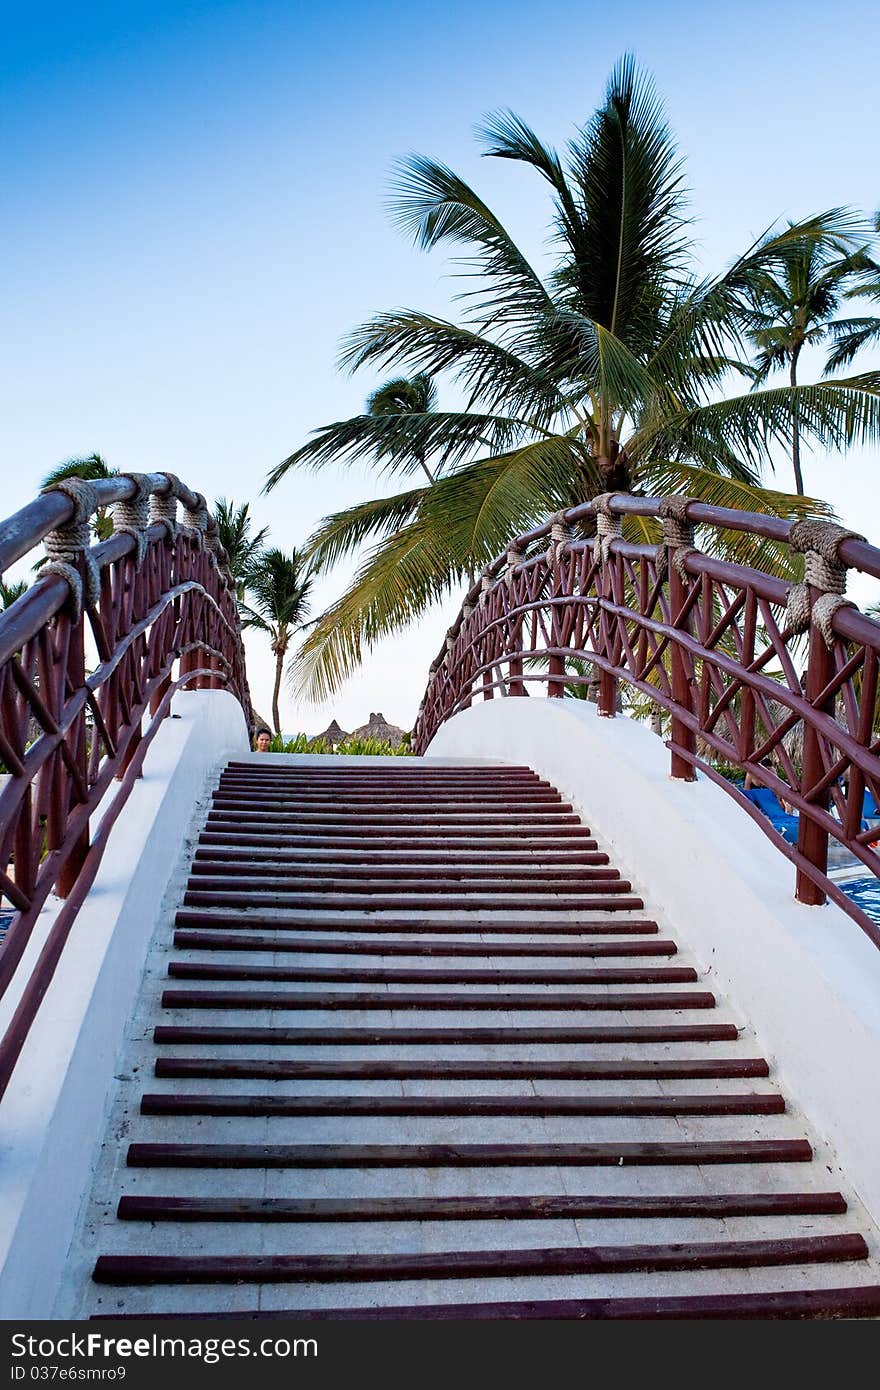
x=398, y=1038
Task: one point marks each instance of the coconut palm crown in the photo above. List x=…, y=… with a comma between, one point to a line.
x=278, y=585
x=608, y=373
x=241, y=543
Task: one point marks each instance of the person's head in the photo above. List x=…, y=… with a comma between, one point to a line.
x=264, y=738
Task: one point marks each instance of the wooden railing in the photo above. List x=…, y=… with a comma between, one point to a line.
x=779, y=680
x=151, y=610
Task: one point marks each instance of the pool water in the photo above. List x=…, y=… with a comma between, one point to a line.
x=865, y=893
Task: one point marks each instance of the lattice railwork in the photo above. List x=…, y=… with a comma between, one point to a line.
x=151, y=611
x=778, y=680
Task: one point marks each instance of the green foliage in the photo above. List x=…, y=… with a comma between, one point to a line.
x=350, y=747
x=234, y=531
x=620, y=370
x=93, y=468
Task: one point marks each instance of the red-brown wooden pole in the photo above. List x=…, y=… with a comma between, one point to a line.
x=682, y=689
x=812, y=839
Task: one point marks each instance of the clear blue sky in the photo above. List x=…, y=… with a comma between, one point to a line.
x=193, y=213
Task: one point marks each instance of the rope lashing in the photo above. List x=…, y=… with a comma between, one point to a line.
x=678, y=536
x=218, y=550
x=486, y=583
x=609, y=526
x=514, y=558
x=195, y=520
x=71, y=543
x=818, y=542
x=560, y=535
x=163, y=508
x=467, y=610
x=450, y=639
x=133, y=515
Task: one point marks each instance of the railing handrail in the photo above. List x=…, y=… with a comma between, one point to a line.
x=630, y=611
x=158, y=602
x=856, y=553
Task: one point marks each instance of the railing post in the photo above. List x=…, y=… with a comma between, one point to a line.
x=609, y=527
x=515, y=684
x=811, y=607
x=560, y=534
x=812, y=841
x=678, y=539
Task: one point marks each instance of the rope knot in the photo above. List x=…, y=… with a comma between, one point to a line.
x=609, y=526
x=195, y=520
x=485, y=586
x=133, y=515
x=819, y=543
x=560, y=535
x=70, y=544
x=514, y=558
x=163, y=508
x=678, y=536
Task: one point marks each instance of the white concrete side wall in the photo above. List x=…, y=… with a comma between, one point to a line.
x=52, y=1116
x=807, y=979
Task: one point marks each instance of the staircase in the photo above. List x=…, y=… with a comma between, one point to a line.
x=413, y=1049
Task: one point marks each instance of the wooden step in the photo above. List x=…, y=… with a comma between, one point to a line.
x=329, y=1000
x=340, y=945
x=852, y=1301
x=396, y=818
x=190, y=1104
x=608, y=897
x=278, y=871
x=429, y=1037
x=600, y=975
x=486, y=926
x=446, y=1069
x=535, y=839
x=475, y=1264
x=316, y=879
x=322, y=1209
x=466, y=1155
x=320, y=853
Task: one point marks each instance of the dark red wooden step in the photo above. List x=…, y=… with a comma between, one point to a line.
x=319, y=1209
x=504, y=1003
x=445, y=1069
x=190, y=1104
x=475, y=1264
x=396, y=818
x=615, y=897
x=466, y=1155
x=486, y=926
x=380, y=1037
x=274, y=872
x=414, y=838
x=855, y=1301
x=476, y=802
x=600, y=975
x=364, y=851
x=341, y=945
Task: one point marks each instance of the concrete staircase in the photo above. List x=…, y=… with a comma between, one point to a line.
x=412, y=1049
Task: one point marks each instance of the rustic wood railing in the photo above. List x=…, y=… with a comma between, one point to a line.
x=152, y=610
x=779, y=680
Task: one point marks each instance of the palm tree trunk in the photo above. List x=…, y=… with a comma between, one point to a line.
x=796, y=430
x=279, y=667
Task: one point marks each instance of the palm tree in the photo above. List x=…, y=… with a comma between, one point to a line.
x=606, y=374
x=234, y=533
x=279, y=585
x=797, y=307
x=10, y=592
x=92, y=468
x=398, y=399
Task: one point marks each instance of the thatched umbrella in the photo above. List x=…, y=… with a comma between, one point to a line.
x=331, y=736
x=379, y=728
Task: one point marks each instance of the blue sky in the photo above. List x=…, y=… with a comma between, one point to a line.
x=193, y=214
